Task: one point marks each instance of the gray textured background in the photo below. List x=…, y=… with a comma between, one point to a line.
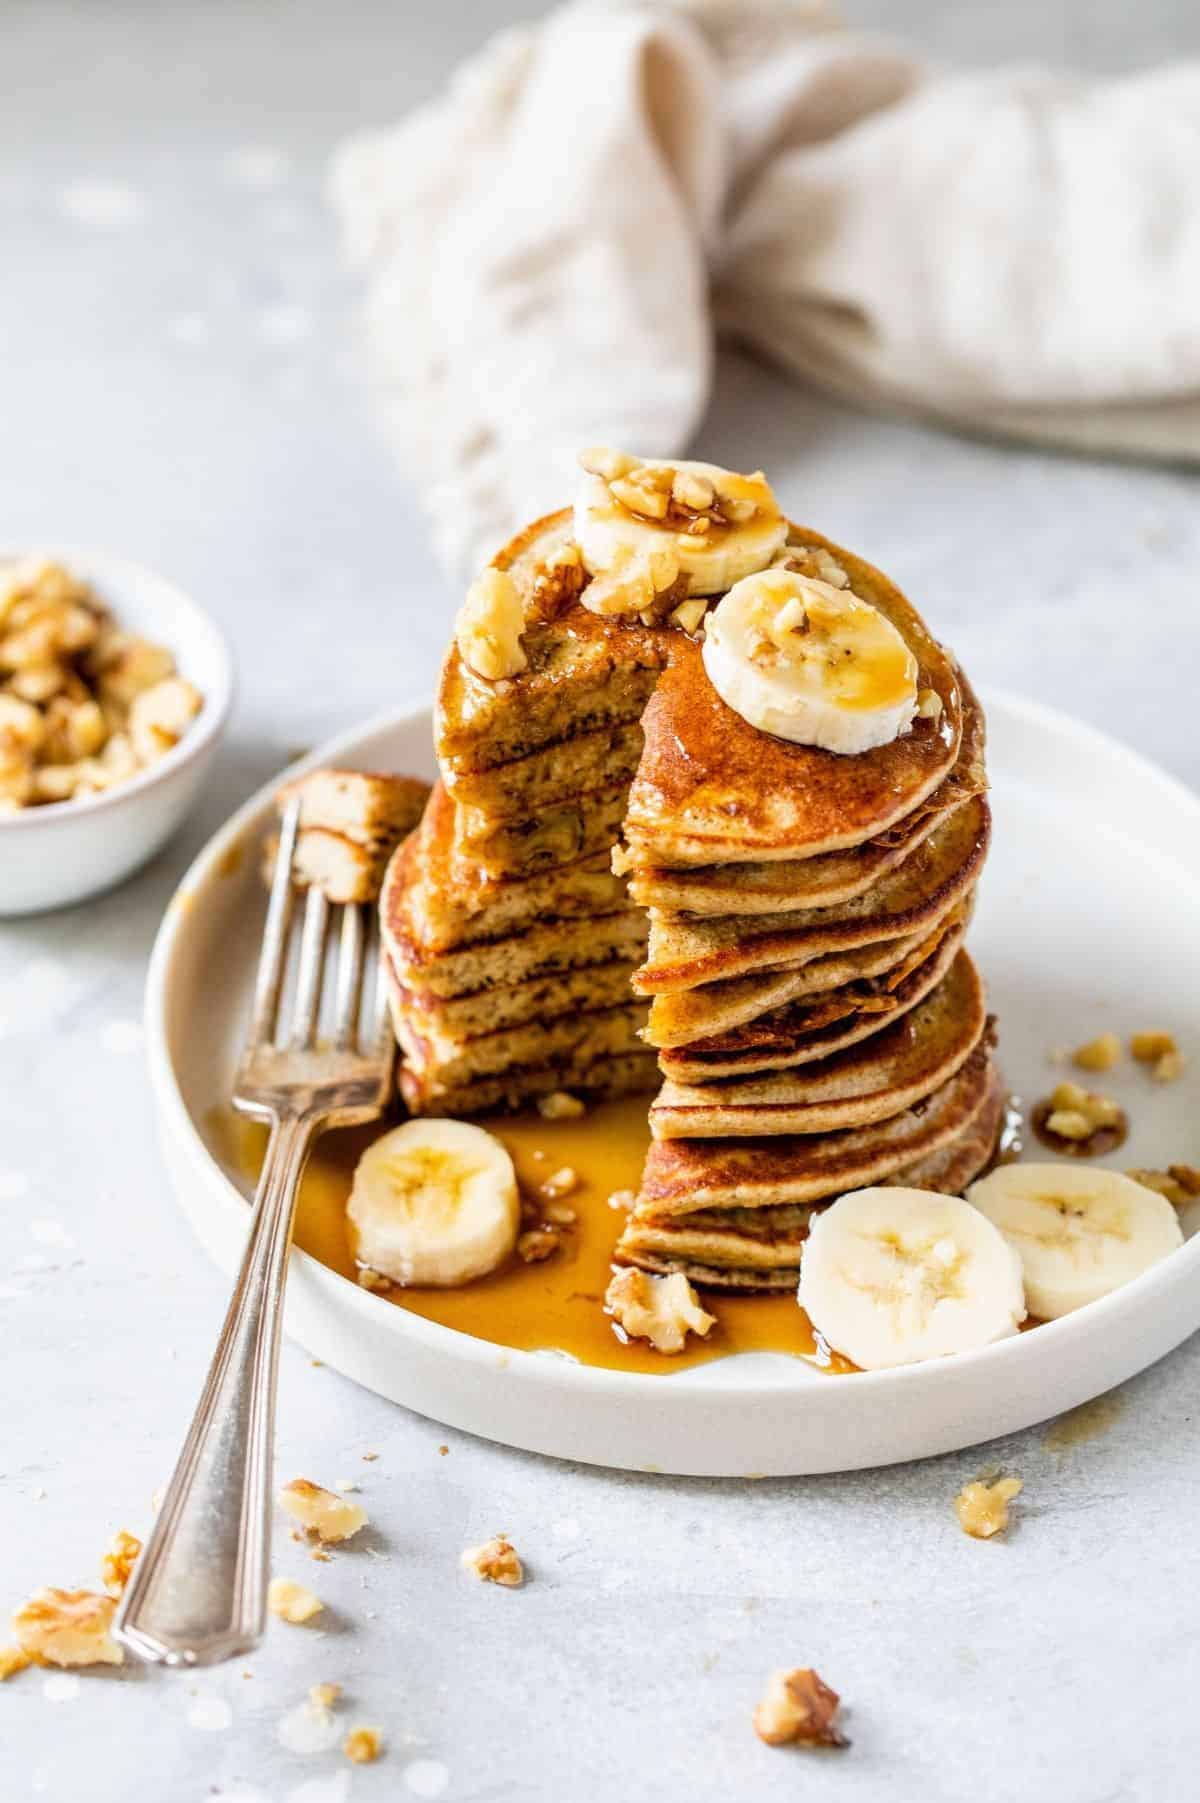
x=181, y=385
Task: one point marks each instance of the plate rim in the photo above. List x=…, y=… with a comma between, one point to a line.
x=543, y=1369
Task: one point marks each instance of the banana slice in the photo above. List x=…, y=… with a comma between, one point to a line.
x=660, y=521
x=434, y=1202
x=892, y=1276
x=811, y=663
x=1079, y=1233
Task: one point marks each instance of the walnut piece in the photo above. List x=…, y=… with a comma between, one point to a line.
x=291, y=1601
x=489, y=626
x=68, y=1627
x=798, y=1708
x=323, y=1514
x=982, y=1509
x=537, y=1244
x=1179, y=1183
x=1079, y=1121
x=362, y=1746
x=662, y=1310
x=559, y=1183
x=623, y=1199
x=559, y=1106
x=633, y=583
x=323, y=1698
x=119, y=1561
x=929, y=705
x=495, y=1562
x=13, y=1659
x=1098, y=1054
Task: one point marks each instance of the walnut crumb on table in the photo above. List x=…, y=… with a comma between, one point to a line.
x=323, y=1698
x=362, y=1746
x=1179, y=1183
x=1160, y=1052
x=663, y=1310
x=982, y=1509
x=798, y=1709
x=292, y=1602
x=322, y=1513
x=68, y=1628
x=119, y=1562
x=13, y=1659
x=495, y=1562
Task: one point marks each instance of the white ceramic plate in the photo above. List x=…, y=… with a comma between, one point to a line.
x=1088, y=920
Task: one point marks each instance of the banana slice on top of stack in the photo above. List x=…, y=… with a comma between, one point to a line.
x=893, y=1276
x=647, y=529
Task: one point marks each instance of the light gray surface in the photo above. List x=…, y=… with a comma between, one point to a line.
x=182, y=387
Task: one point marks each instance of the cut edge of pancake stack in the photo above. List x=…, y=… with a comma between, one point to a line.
x=510, y=943
x=781, y=924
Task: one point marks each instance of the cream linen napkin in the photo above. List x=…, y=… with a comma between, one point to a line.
x=550, y=245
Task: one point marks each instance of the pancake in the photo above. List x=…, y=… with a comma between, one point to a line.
x=712, y=789
x=818, y=882
x=762, y=1248
x=543, y=840
x=715, y=1008
x=584, y=672
x=603, y=1078
x=587, y=760
x=682, y=1175
x=597, y=985
x=880, y=1077
x=436, y=1056
x=539, y=951
x=685, y=952
x=440, y=911
x=802, y=1032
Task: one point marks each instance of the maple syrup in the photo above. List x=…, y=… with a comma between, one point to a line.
x=556, y=1305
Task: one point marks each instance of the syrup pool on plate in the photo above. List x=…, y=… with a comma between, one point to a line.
x=556, y=1305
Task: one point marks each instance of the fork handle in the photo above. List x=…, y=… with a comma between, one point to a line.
x=198, y=1593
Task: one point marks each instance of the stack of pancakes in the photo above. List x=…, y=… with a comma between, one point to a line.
x=511, y=944
x=616, y=861
x=820, y=1025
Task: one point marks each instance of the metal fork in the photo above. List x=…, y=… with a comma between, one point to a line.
x=198, y=1592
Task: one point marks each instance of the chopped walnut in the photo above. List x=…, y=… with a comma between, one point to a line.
x=13, y=1659
x=623, y=1199
x=372, y=1280
x=559, y=1215
x=323, y=1698
x=68, y=1627
x=689, y=616
x=362, y=1746
x=1179, y=1183
x=495, y=1562
x=798, y=1708
x=1148, y=1048
x=489, y=626
x=633, y=583
x=662, y=1310
x=601, y=460
x=929, y=705
x=1169, y=1068
x=537, y=1244
x=1079, y=1122
x=559, y=1106
x=559, y=1183
x=982, y=1509
x=322, y=1513
x=119, y=1562
x=292, y=1602
x=1098, y=1054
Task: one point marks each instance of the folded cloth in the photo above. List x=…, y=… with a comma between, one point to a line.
x=549, y=246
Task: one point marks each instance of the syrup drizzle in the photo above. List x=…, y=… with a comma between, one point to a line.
x=556, y=1306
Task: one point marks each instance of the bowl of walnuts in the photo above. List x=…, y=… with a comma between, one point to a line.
x=114, y=691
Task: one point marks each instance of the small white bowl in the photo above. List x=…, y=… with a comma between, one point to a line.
x=54, y=855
